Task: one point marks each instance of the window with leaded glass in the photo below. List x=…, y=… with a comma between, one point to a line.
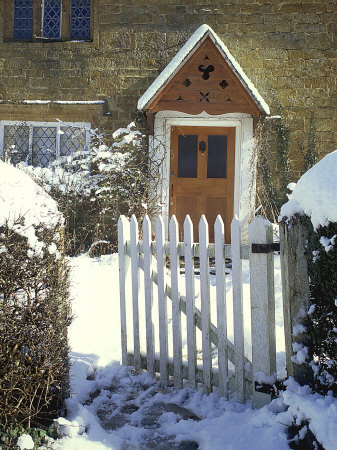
x=39, y=144
x=16, y=143
x=51, y=13
x=80, y=19
x=23, y=19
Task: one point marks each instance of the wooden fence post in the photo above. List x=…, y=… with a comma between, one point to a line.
x=219, y=240
x=176, y=315
x=135, y=289
x=148, y=292
x=162, y=301
x=262, y=305
x=205, y=304
x=238, y=310
x=296, y=295
x=124, y=264
x=190, y=299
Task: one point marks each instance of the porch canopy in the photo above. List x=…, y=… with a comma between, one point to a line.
x=203, y=76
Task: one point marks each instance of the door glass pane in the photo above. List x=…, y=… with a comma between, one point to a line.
x=16, y=145
x=217, y=157
x=187, y=155
x=44, y=146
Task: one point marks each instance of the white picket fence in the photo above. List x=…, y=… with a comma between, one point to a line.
x=159, y=262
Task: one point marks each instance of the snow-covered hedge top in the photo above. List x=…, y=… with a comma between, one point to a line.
x=315, y=194
x=174, y=65
x=25, y=206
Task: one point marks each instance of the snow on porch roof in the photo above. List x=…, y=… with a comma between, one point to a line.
x=184, y=53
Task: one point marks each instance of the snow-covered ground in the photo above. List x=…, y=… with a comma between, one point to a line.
x=114, y=407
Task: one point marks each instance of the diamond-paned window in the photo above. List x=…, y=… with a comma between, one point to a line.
x=51, y=26
x=44, y=146
x=40, y=143
x=16, y=143
x=23, y=19
x=80, y=19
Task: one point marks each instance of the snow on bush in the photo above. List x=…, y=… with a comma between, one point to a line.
x=315, y=194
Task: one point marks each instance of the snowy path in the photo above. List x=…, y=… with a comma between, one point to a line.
x=112, y=407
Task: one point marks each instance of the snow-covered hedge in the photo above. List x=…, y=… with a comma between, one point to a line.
x=94, y=187
x=34, y=308
x=314, y=202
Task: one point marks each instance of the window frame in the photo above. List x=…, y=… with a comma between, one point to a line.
x=37, y=35
x=31, y=124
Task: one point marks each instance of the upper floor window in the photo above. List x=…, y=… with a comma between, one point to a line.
x=80, y=19
x=41, y=143
x=23, y=19
x=46, y=19
x=51, y=19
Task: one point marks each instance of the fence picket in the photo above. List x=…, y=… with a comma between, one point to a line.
x=124, y=262
x=176, y=315
x=238, y=310
x=162, y=304
x=219, y=240
x=190, y=299
x=148, y=294
x=205, y=303
x=262, y=305
x=135, y=288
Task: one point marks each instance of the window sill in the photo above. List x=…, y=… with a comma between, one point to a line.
x=46, y=40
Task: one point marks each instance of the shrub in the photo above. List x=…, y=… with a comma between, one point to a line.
x=322, y=267
x=34, y=306
x=95, y=187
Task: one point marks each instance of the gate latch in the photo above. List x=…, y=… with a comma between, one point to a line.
x=266, y=248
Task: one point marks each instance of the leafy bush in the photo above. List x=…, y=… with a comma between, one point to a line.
x=322, y=267
x=34, y=307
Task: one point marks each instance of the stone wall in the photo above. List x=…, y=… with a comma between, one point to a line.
x=287, y=48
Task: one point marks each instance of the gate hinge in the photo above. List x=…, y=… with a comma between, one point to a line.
x=266, y=248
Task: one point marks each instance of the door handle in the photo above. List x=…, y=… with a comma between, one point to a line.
x=202, y=146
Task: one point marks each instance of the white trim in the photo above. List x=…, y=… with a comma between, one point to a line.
x=245, y=163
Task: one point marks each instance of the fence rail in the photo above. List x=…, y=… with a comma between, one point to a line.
x=159, y=263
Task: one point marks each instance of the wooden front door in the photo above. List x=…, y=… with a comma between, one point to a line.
x=202, y=176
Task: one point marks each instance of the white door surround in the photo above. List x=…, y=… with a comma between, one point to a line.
x=245, y=159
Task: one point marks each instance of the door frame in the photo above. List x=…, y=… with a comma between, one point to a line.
x=245, y=159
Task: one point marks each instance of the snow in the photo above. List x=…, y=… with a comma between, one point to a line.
x=101, y=388
x=25, y=442
x=190, y=46
x=64, y=102
x=24, y=206
x=315, y=193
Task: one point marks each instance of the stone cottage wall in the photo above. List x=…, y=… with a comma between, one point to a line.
x=287, y=48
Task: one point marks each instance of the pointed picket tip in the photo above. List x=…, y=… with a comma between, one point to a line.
x=134, y=222
x=258, y=225
x=219, y=225
x=146, y=220
x=188, y=222
x=235, y=221
x=123, y=220
x=203, y=222
x=173, y=221
x=160, y=221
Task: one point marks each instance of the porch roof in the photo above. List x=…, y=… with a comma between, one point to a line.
x=193, y=43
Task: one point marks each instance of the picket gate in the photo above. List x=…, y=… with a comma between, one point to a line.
x=159, y=261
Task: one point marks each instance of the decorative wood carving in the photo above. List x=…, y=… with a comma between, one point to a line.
x=206, y=82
